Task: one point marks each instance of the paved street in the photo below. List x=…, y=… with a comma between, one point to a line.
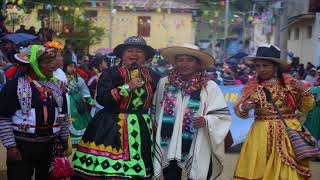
x=230, y=162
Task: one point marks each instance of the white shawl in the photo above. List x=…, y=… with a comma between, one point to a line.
x=208, y=141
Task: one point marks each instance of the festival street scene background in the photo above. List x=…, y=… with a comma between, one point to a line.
x=229, y=30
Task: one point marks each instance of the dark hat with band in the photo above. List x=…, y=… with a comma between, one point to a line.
x=137, y=41
x=268, y=52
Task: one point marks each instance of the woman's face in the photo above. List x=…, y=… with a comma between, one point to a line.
x=187, y=65
x=47, y=67
x=103, y=66
x=71, y=69
x=133, y=55
x=265, y=69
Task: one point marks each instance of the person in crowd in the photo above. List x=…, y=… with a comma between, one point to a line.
x=100, y=64
x=312, y=122
x=88, y=68
x=3, y=27
x=312, y=76
x=301, y=71
x=58, y=63
x=35, y=114
x=118, y=142
x=3, y=58
x=32, y=30
x=42, y=35
x=267, y=152
x=80, y=102
x=245, y=75
x=2, y=79
x=22, y=29
x=162, y=67
x=192, y=118
x=228, y=77
x=309, y=66
x=81, y=61
x=68, y=52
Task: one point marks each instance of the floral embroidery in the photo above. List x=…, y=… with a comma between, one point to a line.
x=169, y=103
x=270, y=139
x=188, y=86
x=24, y=95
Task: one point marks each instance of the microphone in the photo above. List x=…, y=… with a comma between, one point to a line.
x=135, y=73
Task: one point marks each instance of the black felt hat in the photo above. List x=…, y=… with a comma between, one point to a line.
x=268, y=52
x=134, y=41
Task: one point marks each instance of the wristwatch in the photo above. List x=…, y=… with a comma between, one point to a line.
x=127, y=87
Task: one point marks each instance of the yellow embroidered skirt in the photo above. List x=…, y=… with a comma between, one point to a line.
x=268, y=155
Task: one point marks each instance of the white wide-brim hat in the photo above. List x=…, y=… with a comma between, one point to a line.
x=170, y=53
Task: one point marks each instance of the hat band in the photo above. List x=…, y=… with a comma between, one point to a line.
x=268, y=52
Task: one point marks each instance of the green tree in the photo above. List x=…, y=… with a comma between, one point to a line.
x=82, y=33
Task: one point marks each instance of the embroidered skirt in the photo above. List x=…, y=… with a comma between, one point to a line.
x=115, y=146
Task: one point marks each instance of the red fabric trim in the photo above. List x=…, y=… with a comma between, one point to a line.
x=115, y=94
x=147, y=75
x=126, y=154
x=125, y=75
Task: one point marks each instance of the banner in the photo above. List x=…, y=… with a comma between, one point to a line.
x=239, y=127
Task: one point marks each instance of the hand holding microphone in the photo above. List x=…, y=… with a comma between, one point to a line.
x=136, y=80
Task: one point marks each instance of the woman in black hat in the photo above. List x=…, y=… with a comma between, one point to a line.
x=117, y=143
x=267, y=152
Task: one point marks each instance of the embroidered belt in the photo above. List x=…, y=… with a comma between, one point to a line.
x=274, y=117
x=25, y=127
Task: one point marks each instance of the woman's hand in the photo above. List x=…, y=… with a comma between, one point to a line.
x=135, y=83
x=302, y=87
x=199, y=122
x=13, y=154
x=249, y=104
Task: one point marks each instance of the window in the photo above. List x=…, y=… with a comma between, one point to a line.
x=309, y=32
x=296, y=34
x=42, y=14
x=55, y=25
x=144, y=26
x=289, y=34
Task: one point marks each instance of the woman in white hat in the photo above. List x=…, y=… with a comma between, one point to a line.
x=192, y=118
x=267, y=152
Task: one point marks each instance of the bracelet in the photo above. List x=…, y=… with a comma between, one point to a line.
x=240, y=108
x=306, y=91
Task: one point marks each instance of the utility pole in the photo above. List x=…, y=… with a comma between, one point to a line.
x=281, y=28
x=284, y=30
x=226, y=27
x=110, y=26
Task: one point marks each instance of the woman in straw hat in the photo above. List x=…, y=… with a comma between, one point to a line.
x=192, y=118
x=117, y=143
x=33, y=113
x=267, y=152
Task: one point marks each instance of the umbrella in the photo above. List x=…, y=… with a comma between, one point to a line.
x=19, y=38
x=239, y=55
